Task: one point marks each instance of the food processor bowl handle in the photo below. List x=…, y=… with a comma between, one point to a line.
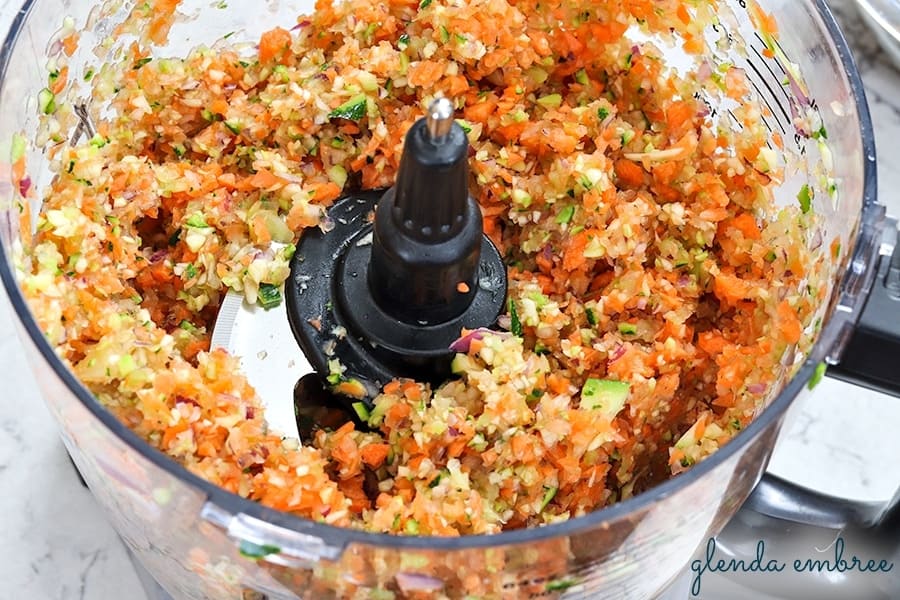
x=871, y=357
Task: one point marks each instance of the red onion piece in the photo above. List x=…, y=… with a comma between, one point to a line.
x=757, y=388
x=179, y=399
x=415, y=582
x=704, y=71
x=463, y=343
x=817, y=240
x=617, y=353
x=25, y=186
x=547, y=252
x=797, y=89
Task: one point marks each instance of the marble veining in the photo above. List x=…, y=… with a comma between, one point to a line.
x=56, y=544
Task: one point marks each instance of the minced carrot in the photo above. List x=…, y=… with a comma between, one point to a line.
x=629, y=173
x=789, y=323
x=374, y=455
x=274, y=44
x=648, y=262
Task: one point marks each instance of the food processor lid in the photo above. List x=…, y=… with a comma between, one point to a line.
x=231, y=503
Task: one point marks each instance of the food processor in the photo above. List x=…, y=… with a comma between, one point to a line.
x=196, y=540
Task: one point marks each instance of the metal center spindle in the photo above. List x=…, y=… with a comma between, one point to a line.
x=439, y=120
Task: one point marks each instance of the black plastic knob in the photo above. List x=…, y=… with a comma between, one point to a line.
x=428, y=229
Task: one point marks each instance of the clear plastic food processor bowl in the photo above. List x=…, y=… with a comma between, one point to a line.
x=190, y=534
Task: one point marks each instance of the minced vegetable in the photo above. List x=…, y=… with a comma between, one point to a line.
x=655, y=285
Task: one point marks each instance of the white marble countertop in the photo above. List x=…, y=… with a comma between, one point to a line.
x=57, y=545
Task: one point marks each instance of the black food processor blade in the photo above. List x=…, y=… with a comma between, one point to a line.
x=386, y=291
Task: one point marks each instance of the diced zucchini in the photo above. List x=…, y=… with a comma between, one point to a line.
x=197, y=221
x=688, y=439
x=269, y=295
x=279, y=230
x=338, y=175
x=604, y=395
x=460, y=364
x=550, y=101
x=559, y=585
x=549, y=494
x=627, y=328
x=478, y=442
x=817, y=376
x=19, y=145
x=256, y=551
x=566, y=214
x=353, y=109
x=537, y=75
x=767, y=160
x=367, y=81
x=594, y=248
x=126, y=365
x=361, y=411
x=335, y=372
x=376, y=415
x=805, y=198
x=233, y=126
x=539, y=299
x=521, y=198
x=47, y=101
x=466, y=126
x=187, y=326
x=515, y=323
